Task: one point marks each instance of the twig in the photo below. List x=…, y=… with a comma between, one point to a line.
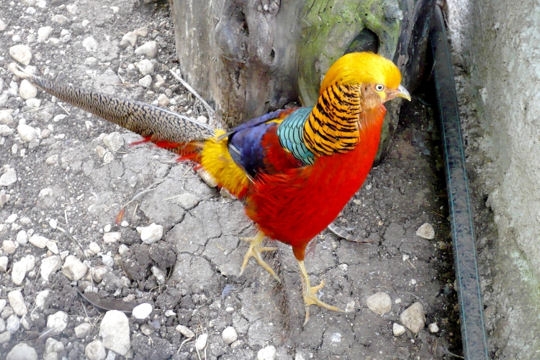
x=189, y=88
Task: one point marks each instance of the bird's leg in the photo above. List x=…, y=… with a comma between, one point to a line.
x=255, y=250
x=310, y=292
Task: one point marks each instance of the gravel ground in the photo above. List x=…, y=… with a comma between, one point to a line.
x=117, y=251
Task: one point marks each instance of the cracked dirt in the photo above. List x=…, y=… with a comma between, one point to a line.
x=73, y=185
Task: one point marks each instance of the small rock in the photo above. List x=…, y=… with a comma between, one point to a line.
x=229, y=335
x=27, y=90
x=52, y=247
x=111, y=237
x=98, y=272
x=3, y=303
x=95, y=351
x=151, y=233
x=53, y=348
x=82, y=330
x=22, y=351
x=163, y=100
x=267, y=353
x=27, y=133
x=57, y=322
x=16, y=301
x=3, y=25
x=201, y=341
x=5, y=337
x=21, y=268
x=38, y=241
x=50, y=265
x=5, y=116
x=398, y=329
x=5, y=130
x=22, y=237
x=426, y=231
x=43, y=33
x=21, y=53
x=142, y=311
x=13, y=323
x=184, y=330
x=129, y=38
x=114, y=330
x=9, y=246
x=413, y=317
x=146, y=81
x=73, y=268
x=380, y=303
x=41, y=297
x=90, y=44
x=433, y=328
x=113, y=141
x=4, y=260
x=94, y=248
x=160, y=275
x=148, y=49
x=145, y=67
x=9, y=177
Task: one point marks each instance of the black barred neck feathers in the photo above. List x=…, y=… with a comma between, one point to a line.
x=336, y=121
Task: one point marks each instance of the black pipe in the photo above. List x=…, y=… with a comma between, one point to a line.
x=473, y=333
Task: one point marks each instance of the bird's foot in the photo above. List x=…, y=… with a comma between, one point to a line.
x=255, y=250
x=310, y=293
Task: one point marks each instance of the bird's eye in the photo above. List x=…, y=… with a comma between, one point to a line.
x=379, y=87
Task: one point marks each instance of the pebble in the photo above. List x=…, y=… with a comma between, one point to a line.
x=53, y=348
x=98, y=272
x=129, y=38
x=113, y=141
x=3, y=303
x=13, y=323
x=27, y=90
x=148, y=49
x=21, y=268
x=82, y=330
x=151, y=233
x=5, y=130
x=27, y=133
x=162, y=100
x=9, y=177
x=184, y=330
x=41, y=297
x=5, y=116
x=201, y=341
x=73, y=268
x=95, y=351
x=160, y=275
x=90, y=44
x=111, y=237
x=50, y=265
x=433, y=328
x=9, y=246
x=114, y=331
x=146, y=81
x=22, y=351
x=380, y=303
x=52, y=247
x=267, y=353
x=426, y=231
x=57, y=322
x=21, y=53
x=16, y=301
x=413, y=317
x=4, y=260
x=398, y=329
x=43, y=33
x=145, y=67
x=38, y=241
x=229, y=335
x=94, y=248
x=22, y=237
x=142, y=311
x=3, y=25
x=5, y=337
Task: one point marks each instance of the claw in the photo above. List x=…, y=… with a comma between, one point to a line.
x=255, y=250
x=310, y=293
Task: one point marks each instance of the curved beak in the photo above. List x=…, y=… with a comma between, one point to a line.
x=403, y=93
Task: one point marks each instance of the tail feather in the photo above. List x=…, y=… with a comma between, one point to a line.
x=163, y=127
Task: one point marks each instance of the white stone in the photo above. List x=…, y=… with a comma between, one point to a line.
x=94, y=248
x=41, y=297
x=433, y=328
x=111, y=237
x=52, y=348
x=129, y=38
x=113, y=141
x=184, y=330
x=21, y=53
x=9, y=177
x=4, y=260
x=414, y=317
x=43, y=33
x=22, y=351
x=22, y=237
x=27, y=90
x=142, y=311
x=145, y=66
x=398, y=329
x=380, y=303
x=52, y=247
x=5, y=337
x=82, y=330
x=90, y=44
x=201, y=341
x=146, y=81
x=148, y=49
x=229, y=335
x=57, y=322
x=50, y=265
x=38, y=241
x=151, y=233
x=163, y=100
x=73, y=268
x=13, y=323
x=16, y=301
x=98, y=272
x=267, y=353
x=9, y=247
x=5, y=116
x=160, y=275
x=426, y=231
x=114, y=331
x=3, y=25
x=5, y=130
x=95, y=351
x=21, y=268
x=27, y=133
x=3, y=303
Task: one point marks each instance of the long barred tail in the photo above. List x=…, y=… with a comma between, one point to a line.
x=166, y=129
